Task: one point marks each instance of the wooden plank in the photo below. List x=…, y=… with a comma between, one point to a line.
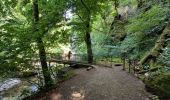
x=71, y=63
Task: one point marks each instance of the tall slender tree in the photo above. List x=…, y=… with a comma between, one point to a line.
x=41, y=48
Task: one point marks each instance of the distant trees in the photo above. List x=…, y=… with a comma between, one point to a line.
x=87, y=10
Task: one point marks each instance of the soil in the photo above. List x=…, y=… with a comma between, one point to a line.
x=99, y=83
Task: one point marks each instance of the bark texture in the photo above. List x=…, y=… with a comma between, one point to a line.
x=41, y=48
x=87, y=34
x=88, y=43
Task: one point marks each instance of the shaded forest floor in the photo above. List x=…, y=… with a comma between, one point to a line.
x=100, y=83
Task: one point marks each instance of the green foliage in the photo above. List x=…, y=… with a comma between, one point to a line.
x=147, y=20
x=17, y=35
x=135, y=36
x=99, y=41
x=98, y=11
x=165, y=57
x=128, y=2
x=160, y=85
x=136, y=45
x=13, y=40
x=141, y=34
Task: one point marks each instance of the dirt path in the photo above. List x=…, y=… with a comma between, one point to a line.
x=102, y=83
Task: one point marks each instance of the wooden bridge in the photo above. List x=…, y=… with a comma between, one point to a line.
x=75, y=61
x=70, y=62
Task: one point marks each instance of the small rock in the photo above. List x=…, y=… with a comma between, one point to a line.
x=146, y=74
x=76, y=95
x=89, y=68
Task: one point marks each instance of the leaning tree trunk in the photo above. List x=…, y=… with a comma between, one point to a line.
x=88, y=41
x=41, y=48
x=158, y=48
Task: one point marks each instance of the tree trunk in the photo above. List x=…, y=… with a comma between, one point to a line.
x=160, y=44
x=41, y=48
x=87, y=34
x=88, y=41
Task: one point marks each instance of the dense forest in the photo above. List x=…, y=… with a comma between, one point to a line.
x=42, y=43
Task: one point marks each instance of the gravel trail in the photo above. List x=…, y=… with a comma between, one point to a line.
x=102, y=83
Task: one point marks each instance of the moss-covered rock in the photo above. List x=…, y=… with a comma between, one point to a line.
x=159, y=85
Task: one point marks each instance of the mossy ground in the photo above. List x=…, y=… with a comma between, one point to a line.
x=159, y=85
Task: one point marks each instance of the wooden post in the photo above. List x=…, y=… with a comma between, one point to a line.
x=134, y=66
x=124, y=61
x=129, y=65
x=75, y=57
x=111, y=60
x=49, y=63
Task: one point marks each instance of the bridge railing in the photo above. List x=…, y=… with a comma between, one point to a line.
x=73, y=57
